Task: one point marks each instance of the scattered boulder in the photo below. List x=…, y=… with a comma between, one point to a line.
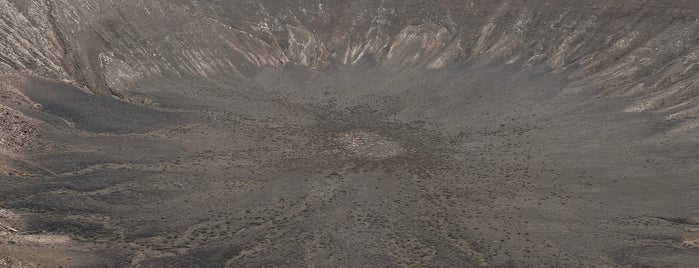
x=16, y=132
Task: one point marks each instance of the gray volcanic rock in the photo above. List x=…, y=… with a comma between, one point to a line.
x=16, y=131
x=442, y=133
x=644, y=47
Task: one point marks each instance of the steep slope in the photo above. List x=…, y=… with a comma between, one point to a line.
x=643, y=48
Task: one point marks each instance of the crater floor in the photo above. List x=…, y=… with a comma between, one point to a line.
x=353, y=178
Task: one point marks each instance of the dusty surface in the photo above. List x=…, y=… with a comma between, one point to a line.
x=349, y=133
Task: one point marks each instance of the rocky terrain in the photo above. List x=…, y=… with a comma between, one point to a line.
x=415, y=133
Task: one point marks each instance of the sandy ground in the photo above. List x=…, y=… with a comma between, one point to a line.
x=475, y=172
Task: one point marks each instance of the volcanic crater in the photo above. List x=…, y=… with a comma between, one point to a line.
x=327, y=133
